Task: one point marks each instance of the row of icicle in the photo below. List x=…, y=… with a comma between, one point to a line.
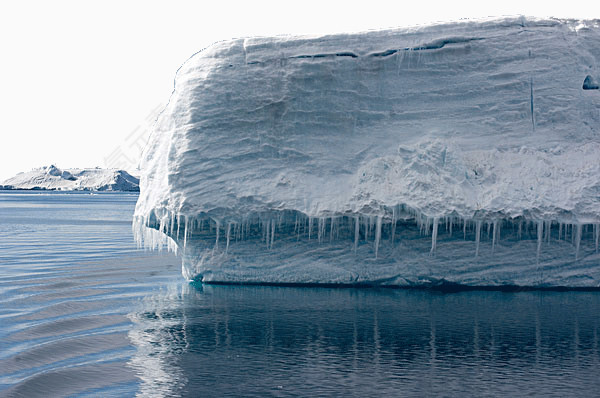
x=304, y=226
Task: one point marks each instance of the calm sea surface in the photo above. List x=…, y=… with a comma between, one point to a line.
x=85, y=313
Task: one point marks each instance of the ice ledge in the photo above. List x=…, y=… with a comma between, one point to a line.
x=272, y=151
x=399, y=248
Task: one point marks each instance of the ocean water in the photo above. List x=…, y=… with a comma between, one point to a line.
x=83, y=312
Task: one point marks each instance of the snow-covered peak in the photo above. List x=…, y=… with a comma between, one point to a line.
x=52, y=177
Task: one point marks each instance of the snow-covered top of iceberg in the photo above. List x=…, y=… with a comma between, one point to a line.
x=53, y=178
x=496, y=118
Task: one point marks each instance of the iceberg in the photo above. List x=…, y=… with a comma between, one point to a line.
x=464, y=153
x=91, y=179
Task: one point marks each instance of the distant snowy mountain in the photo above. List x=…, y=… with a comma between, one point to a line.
x=53, y=178
x=464, y=152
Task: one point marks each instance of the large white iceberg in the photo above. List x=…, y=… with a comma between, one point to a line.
x=466, y=153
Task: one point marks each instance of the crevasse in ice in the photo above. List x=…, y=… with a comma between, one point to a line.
x=465, y=152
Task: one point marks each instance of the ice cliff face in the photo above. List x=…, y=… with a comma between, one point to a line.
x=465, y=152
x=53, y=178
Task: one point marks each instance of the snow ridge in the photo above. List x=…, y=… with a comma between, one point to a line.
x=53, y=178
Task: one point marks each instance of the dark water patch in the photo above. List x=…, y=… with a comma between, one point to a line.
x=256, y=340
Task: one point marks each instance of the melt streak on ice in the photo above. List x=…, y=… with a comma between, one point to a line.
x=465, y=152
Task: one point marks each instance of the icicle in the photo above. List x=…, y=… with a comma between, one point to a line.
x=577, y=241
x=477, y=236
x=548, y=230
x=272, y=233
x=218, y=227
x=356, y=231
x=597, y=233
x=305, y=226
x=499, y=225
x=393, y=225
x=331, y=231
x=267, y=233
x=228, y=232
x=185, y=234
x=464, y=228
x=366, y=222
x=434, y=236
x=296, y=224
x=450, y=227
x=161, y=224
x=172, y=223
x=319, y=229
x=560, y=228
x=309, y=227
x=540, y=232
x=494, y=235
x=377, y=235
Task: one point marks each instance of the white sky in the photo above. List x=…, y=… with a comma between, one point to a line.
x=78, y=77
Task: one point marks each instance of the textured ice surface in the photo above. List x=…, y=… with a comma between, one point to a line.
x=51, y=177
x=466, y=152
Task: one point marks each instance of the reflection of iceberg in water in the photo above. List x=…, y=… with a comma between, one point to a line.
x=159, y=336
x=256, y=341
x=464, y=152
